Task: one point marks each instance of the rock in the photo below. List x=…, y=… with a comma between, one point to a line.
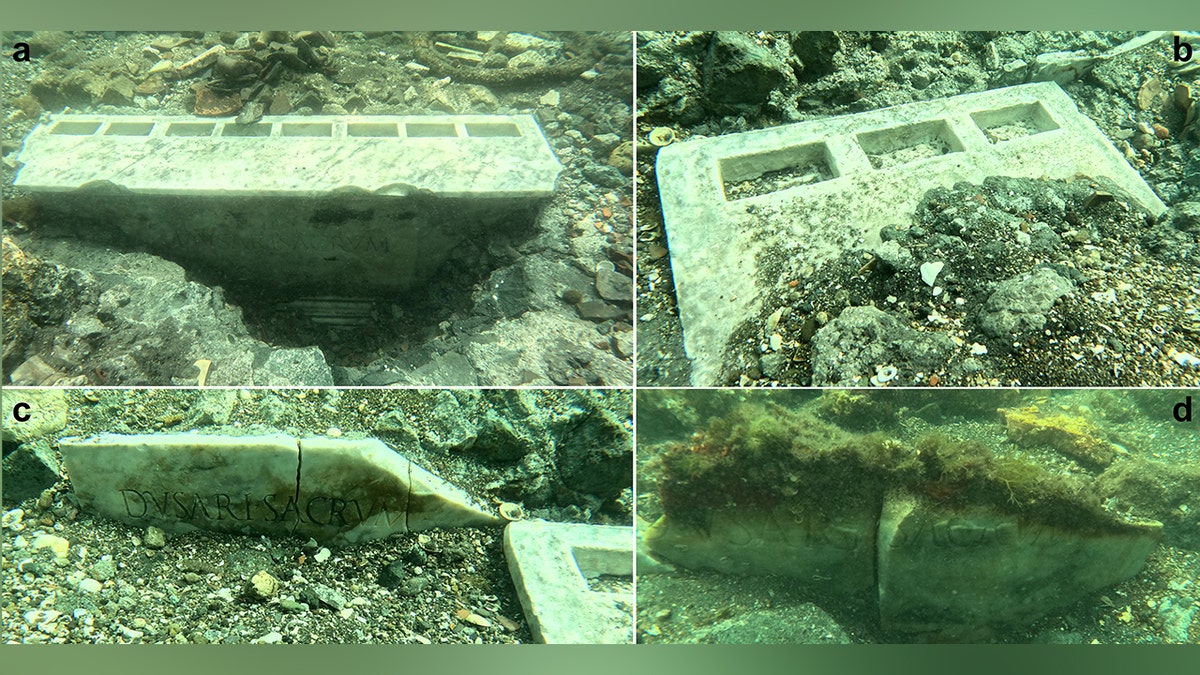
x=280, y=104
x=90, y=587
x=392, y=575
x=155, y=538
x=322, y=555
x=13, y=520
x=326, y=596
x=1184, y=217
x=595, y=454
x=597, y=310
x=505, y=294
x=739, y=72
x=292, y=366
x=894, y=256
x=104, y=569
x=1071, y=436
x=806, y=624
x=55, y=543
x=1020, y=304
x=612, y=285
x=29, y=469
x=262, y=587
x=413, y=586
x=622, y=344
x=847, y=350
x=604, y=176
x=621, y=158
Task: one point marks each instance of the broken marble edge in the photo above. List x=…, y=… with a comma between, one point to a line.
x=540, y=166
x=540, y=589
x=691, y=191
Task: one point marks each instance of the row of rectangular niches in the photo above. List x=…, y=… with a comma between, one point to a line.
x=364, y=129
x=752, y=175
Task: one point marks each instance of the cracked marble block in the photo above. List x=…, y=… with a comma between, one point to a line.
x=357, y=205
x=336, y=491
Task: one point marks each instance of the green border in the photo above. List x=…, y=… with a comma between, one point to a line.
x=608, y=15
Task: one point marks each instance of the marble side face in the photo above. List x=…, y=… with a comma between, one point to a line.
x=243, y=485
x=967, y=569
x=837, y=553
x=336, y=491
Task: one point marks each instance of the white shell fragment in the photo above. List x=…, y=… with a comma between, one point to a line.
x=930, y=271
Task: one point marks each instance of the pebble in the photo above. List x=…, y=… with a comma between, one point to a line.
x=263, y=586
x=53, y=542
x=322, y=555
x=1182, y=358
x=550, y=98
x=90, y=586
x=272, y=638
x=155, y=538
x=12, y=520
x=104, y=569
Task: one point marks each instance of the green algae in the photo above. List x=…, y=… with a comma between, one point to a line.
x=763, y=457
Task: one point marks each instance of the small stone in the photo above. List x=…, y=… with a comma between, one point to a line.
x=328, y=597
x=12, y=520
x=104, y=569
x=413, y=586
x=571, y=296
x=598, y=310
x=272, y=638
x=392, y=575
x=155, y=538
x=612, y=285
x=263, y=586
x=1184, y=359
x=322, y=555
x=290, y=605
x=90, y=586
x=55, y=543
x=550, y=98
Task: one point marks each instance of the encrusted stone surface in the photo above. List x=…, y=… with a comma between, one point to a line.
x=814, y=189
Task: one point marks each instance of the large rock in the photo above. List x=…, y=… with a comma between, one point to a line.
x=1020, y=304
x=849, y=349
x=740, y=72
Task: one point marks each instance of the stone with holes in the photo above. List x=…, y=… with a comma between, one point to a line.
x=555, y=567
x=809, y=191
x=317, y=205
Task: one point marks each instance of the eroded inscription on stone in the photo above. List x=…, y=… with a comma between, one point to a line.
x=337, y=491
